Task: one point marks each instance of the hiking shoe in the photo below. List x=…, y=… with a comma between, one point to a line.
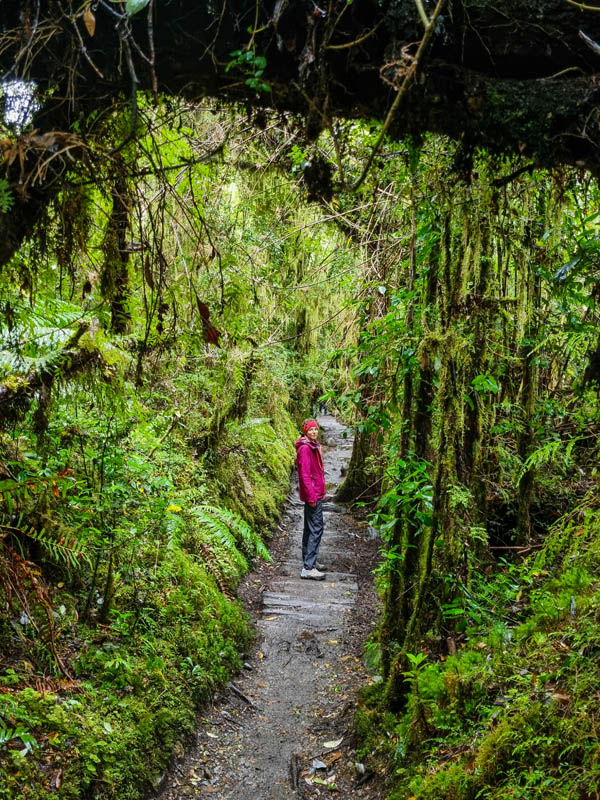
x=313, y=574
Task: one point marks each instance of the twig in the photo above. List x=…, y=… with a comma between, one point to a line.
x=310, y=330
x=584, y=6
x=560, y=74
x=84, y=48
x=113, y=11
x=205, y=159
x=424, y=18
x=134, y=106
x=25, y=47
x=242, y=696
x=508, y=178
x=410, y=73
x=152, y=51
x=356, y=42
x=522, y=548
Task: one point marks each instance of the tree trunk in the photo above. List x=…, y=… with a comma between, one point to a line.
x=115, y=271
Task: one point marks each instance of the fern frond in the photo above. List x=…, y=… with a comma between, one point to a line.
x=174, y=527
x=36, y=335
x=10, y=362
x=213, y=566
x=66, y=551
x=21, y=579
x=223, y=536
x=248, y=539
x=548, y=453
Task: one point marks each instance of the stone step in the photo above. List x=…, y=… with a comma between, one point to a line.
x=272, y=600
x=317, y=615
x=292, y=583
x=332, y=577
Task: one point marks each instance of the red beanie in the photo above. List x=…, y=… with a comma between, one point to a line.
x=309, y=423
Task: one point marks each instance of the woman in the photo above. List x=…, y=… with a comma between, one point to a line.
x=311, y=477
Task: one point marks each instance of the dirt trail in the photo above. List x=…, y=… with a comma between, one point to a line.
x=282, y=729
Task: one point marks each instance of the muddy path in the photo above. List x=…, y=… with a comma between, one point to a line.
x=283, y=727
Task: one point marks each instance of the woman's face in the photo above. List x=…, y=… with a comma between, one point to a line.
x=312, y=434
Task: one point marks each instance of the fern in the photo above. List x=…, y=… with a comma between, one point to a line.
x=213, y=566
x=248, y=539
x=222, y=535
x=548, y=453
x=7, y=198
x=21, y=580
x=35, y=334
x=66, y=551
x=174, y=529
x=17, y=362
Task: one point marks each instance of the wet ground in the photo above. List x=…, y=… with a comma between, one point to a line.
x=283, y=727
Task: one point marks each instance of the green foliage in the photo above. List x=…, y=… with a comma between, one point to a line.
x=19, y=732
x=231, y=530
x=7, y=199
x=251, y=65
x=548, y=453
x=449, y=318
x=31, y=337
x=134, y=6
x=511, y=713
x=135, y=492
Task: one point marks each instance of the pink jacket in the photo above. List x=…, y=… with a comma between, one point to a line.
x=311, y=474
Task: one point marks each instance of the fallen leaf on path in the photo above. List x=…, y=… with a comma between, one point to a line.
x=268, y=619
x=212, y=735
x=329, y=782
x=333, y=744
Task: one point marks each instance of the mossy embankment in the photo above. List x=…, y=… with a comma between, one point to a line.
x=147, y=624
x=512, y=710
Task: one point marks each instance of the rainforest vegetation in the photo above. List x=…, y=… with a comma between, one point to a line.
x=212, y=217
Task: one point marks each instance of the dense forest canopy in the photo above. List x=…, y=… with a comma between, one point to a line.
x=398, y=215
x=519, y=78
x=516, y=76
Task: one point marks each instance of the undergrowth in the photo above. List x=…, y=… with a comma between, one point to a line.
x=512, y=710
x=137, y=537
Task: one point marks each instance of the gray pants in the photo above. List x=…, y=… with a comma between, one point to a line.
x=313, y=530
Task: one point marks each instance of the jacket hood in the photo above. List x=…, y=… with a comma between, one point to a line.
x=305, y=440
